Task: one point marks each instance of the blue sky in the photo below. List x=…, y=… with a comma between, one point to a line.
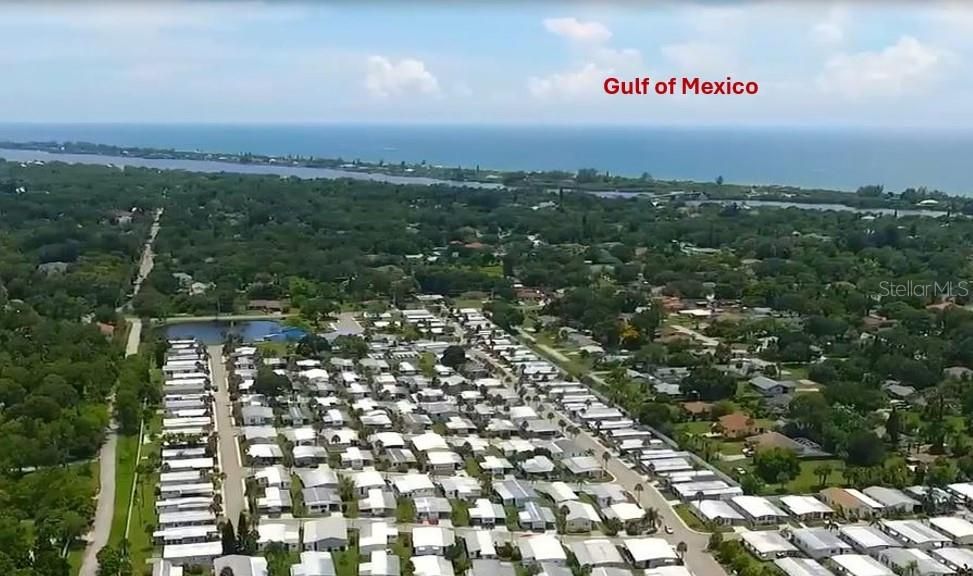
x=818, y=64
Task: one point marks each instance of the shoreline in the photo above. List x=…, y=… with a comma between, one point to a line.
x=175, y=320
x=586, y=181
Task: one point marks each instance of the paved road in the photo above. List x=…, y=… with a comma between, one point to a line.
x=697, y=559
x=148, y=256
x=105, y=509
x=229, y=456
x=101, y=529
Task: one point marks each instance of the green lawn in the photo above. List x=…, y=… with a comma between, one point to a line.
x=402, y=550
x=461, y=513
x=75, y=558
x=472, y=468
x=805, y=482
x=405, y=511
x=513, y=520
x=273, y=349
x=346, y=562
x=697, y=427
x=125, y=453
x=732, y=447
x=144, y=516
x=794, y=372
x=694, y=522
x=468, y=302
x=297, y=496
x=689, y=518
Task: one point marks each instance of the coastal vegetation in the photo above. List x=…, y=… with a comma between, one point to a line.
x=69, y=242
x=809, y=296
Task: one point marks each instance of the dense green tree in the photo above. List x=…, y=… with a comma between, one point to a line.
x=776, y=465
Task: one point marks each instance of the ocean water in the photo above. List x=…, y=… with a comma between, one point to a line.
x=834, y=159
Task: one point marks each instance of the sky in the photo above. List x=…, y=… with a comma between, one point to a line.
x=818, y=64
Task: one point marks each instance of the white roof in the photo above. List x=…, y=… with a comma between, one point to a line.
x=626, y=511
x=285, y=533
x=544, y=547
x=647, y=549
x=767, y=542
x=714, y=509
x=431, y=566
x=757, y=506
x=867, y=536
x=914, y=531
x=801, y=567
x=443, y=457
x=378, y=534
x=435, y=536
x=668, y=571
x=484, y=541
x=958, y=557
x=388, y=439
x=315, y=374
x=408, y=483
x=964, y=489
x=197, y=550
x=865, y=499
x=954, y=526
x=429, y=441
x=800, y=505
x=367, y=478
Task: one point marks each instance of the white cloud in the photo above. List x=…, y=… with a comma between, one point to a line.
x=585, y=81
x=831, y=30
x=578, y=31
x=701, y=58
x=907, y=65
x=624, y=59
x=387, y=78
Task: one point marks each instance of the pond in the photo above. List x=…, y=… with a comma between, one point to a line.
x=215, y=331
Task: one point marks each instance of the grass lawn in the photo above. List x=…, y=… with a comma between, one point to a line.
x=273, y=349
x=698, y=427
x=346, y=562
x=144, y=516
x=402, y=550
x=572, y=364
x=805, y=482
x=297, y=497
x=125, y=453
x=794, y=372
x=405, y=511
x=75, y=558
x=351, y=509
x=689, y=518
x=694, y=522
x=468, y=300
x=472, y=468
x=732, y=447
x=461, y=513
x=513, y=520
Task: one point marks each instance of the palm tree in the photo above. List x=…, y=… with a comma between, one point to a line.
x=638, y=492
x=652, y=517
x=681, y=548
x=605, y=457
x=823, y=471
